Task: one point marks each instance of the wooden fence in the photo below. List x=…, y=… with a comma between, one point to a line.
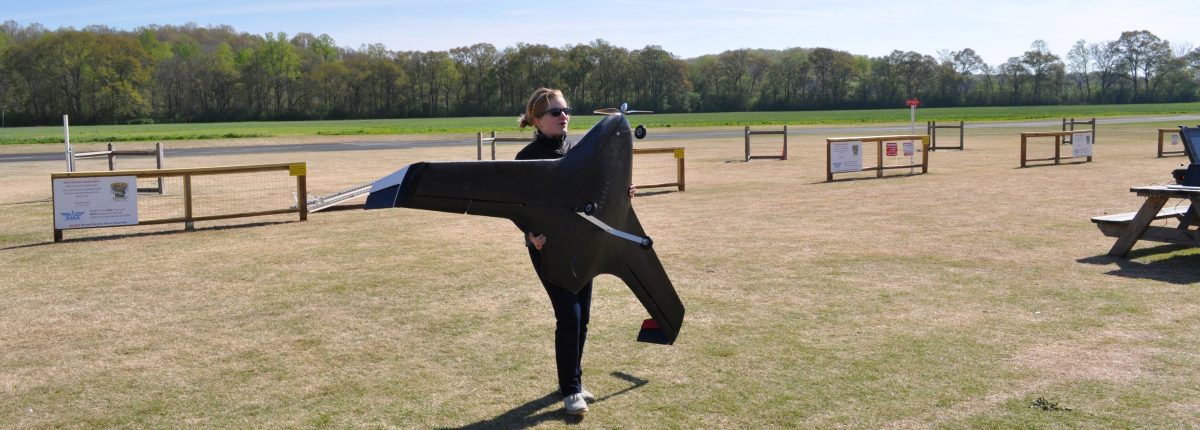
x=298, y=170
x=931, y=129
x=879, y=140
x=1059, y=137
x=1163, y=132
x=678, y=153
x=782, y=156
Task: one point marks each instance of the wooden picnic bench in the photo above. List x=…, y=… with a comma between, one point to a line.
x=1130, y=227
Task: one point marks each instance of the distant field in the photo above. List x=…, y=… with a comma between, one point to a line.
x=159, y=132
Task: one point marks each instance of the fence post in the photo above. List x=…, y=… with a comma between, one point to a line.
x=828, y=160
x=161, y=162
x=302, y=191
x=1023, y=138
x=960, y=135
x=924, y=157
x=931, y=131
x=879, y=158
x=747, y=143
x=112, y=158
x=1058, y=143
x=679, y=173
x=188, y=224
x=479, y=145
x=1160, y=143
x=785, y=141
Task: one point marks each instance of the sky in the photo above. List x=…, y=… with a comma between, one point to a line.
x=995, y=29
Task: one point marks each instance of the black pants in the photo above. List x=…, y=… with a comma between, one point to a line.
x=571, y=311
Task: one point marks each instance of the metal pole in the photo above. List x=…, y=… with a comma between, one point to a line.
x=912, y=119
x=67, y=141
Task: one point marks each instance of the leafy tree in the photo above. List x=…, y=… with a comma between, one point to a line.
x=1045, y=68
x=1141, y=51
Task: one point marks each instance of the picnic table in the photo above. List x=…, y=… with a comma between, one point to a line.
x=1130, y=227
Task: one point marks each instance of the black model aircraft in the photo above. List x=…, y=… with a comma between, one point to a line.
x=580, y=201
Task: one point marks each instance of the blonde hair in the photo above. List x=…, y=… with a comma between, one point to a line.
x=538, y=102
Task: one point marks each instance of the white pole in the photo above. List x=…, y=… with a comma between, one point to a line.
x=912, y=129
x=67, y=141
x=912, y=119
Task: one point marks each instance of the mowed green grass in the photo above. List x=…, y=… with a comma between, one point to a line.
x=160, y=132
x=954, y=299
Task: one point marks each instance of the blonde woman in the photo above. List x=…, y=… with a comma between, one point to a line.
x=548, y=113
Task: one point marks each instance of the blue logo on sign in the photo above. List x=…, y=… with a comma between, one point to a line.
x=72, y=216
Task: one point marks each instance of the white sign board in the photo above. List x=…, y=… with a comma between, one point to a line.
x=908, y=149
x=845, y=156
x=1081, y=144
x=95, y=202
x=1174, y=139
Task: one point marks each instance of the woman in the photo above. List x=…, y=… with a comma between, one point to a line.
x=548, y=113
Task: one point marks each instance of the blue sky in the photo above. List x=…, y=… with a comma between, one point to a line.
x=995, y=29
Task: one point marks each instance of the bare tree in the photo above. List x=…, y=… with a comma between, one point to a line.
x=1079, y=64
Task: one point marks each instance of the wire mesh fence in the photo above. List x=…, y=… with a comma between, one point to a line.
x=658, y=167
x=228, y=193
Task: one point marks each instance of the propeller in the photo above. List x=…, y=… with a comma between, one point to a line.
x=640, y=131
x=624, y=109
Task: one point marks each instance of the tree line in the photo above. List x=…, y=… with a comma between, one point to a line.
x=100, y=75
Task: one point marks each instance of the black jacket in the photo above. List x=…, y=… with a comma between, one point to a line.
x=543, y=148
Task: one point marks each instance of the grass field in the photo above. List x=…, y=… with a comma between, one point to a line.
x=161, y=132
x=954, y=299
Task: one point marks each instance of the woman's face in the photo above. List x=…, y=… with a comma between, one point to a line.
x=550, y=125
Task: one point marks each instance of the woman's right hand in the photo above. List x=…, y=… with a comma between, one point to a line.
x=538, y=241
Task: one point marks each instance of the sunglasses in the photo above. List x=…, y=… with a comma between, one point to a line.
x=557, y=111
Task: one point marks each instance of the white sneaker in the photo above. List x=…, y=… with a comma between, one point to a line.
x=575, y=404
x=587, y=395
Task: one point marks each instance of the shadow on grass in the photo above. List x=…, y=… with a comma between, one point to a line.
x=642, y=193
x=150, y=233
x=885, y=177
x=528, y=415
x=1183, y=268
x=1043, y=163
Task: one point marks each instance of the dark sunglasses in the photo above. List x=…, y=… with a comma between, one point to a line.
x=557, y=111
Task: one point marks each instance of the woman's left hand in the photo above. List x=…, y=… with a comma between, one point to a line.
x=632, y=191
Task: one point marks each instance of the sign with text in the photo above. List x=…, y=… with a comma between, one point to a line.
x=1174, y=139
x=95, y=202
x=913, y=102
x=908, y=149
x=1081, y=144
x=845, y=156
x=891, y=149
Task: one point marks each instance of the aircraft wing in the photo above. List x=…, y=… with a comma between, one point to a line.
x=489, y=188
x=642, y=271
